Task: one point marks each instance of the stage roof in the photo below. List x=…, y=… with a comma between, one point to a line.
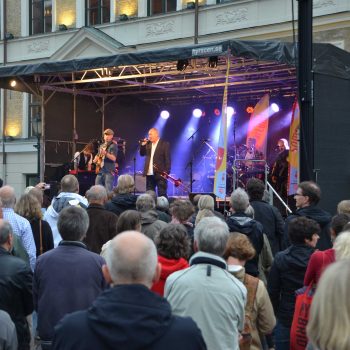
x=180, y=74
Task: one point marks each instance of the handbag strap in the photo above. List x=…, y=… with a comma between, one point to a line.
x=41, y=237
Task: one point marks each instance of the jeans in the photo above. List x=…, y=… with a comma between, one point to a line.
x=106, y=180
x=153, y=181
x=282, y=336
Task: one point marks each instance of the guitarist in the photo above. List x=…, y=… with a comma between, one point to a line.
x=105, y=161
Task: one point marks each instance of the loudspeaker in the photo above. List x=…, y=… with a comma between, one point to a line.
x=193, y=194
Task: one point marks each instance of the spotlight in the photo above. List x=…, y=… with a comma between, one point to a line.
x=230, y=111
x=182, y=65
x=9, y=36
x=13, y=83
x=274, y=107
x=164, y=114
x=62, y=27
x=213, y=62
x=217, y=111
x=250, y=109
x=123, y=17
x=197, y=113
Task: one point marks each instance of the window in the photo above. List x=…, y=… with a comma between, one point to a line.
x=97, y=12
x=34, y=115
x=41, y=16
x=156, y=7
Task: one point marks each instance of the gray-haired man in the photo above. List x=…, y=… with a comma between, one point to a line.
x=206, y=291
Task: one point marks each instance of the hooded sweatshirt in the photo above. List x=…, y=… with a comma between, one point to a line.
x=127, y=317
x=168, y=267
x=121, y=202
x=240, y=222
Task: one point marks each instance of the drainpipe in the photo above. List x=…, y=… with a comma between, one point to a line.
x=4, y=115
x=196, y=23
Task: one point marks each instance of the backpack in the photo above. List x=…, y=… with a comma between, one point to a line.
x=251, y=283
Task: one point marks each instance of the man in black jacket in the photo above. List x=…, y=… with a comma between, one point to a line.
x=157, y=163
x=15, y=286
x=240, y=222
x=306, y=199
x=266, y=214
x=128, y=315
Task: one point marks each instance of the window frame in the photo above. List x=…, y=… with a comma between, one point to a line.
x=32, y=104
x=164, y=8
x=101, y=5
x=44, y=19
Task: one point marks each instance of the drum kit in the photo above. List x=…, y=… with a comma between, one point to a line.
x=242, y=164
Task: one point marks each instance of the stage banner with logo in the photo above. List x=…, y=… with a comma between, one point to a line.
x=293, y=172
x=259, y=124
x=221, y=154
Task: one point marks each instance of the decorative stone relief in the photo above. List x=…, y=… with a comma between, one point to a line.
x=323, y=3
x=38, y=46
x=233, y=16
x=160, y=28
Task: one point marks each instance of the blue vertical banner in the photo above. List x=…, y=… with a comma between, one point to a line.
x=221, y=154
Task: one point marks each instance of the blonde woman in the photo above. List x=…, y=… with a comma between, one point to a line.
x=329, y=322
x=342, y=246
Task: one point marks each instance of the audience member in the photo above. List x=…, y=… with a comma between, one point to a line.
x=68, y=196
x=162, y=215
x=287, y=275
x=181, y=212
x=240, y=222
x=173, y=247
x=67, y=278
x=342, y=246
x=150, y=224
x=268, y=215
x=128, y=315
x=163, y=206
x=123, y=195
x=8, y=334
x=204, y=213
x=206, y=291
x=329, y=321
x=15, y=287
x=343, y=207
x=20, y=226
x=102, y=222
x=319, y=260
x=306, y=199
x=258, y=310
x=29, y=207
x=129, y=220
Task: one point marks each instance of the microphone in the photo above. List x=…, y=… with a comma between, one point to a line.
x=144, y=140
x=276, y=149
x=206, y=140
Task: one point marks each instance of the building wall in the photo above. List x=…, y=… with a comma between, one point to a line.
x=13, y=14
x=66, y=13
x=14, y=116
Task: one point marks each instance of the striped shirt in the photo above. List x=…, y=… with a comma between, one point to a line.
x=21, y=227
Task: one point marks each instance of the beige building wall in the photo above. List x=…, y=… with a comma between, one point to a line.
x=13, y=14
x=14, y=114
x=66, y=13
x=127, y=7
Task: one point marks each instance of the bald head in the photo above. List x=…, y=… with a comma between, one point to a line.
x=7, y=196
x=132, y=259
x=5, y=234
x=69, y=183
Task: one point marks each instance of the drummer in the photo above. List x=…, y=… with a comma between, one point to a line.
x=252, y=152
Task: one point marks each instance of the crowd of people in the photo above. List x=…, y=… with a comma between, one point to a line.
x=124, y=271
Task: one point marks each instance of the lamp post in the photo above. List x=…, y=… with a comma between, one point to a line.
x=36, y=125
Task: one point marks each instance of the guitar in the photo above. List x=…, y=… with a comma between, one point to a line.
x=99, y=158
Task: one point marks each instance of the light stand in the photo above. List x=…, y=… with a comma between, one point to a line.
x=37, y=132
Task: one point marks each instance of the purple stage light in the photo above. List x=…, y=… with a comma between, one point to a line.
x=197, y=113
x=164, y=114
x=230, y=111
x=274, y=107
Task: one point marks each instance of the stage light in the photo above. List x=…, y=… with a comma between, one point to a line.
x=197, y=113
x=213, y=62
x=62, y=27
x=274, y=107
x=123, y=17
x=217, y=112
x=250, y=109
x=13, y=83
x=230, y=111
x=182, y=65
x=164, y=114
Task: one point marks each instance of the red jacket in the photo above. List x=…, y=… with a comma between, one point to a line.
x=168, y=267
